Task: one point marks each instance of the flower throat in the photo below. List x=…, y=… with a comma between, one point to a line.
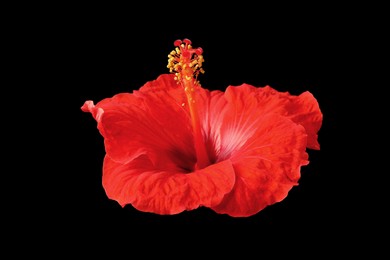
x=186, y=63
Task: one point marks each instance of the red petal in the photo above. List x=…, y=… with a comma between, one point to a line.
x=267, y=166
x=160, y=191
x=267, y=149
x=302, y=109
x=146, y=122
x=241, y=118
x=305, y=110
x=89, y=106
x=164, y=84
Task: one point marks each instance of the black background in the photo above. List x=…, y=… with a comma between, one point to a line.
x=91, y=53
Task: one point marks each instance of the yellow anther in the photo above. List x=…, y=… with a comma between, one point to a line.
x=193, y=63
x=186, y=62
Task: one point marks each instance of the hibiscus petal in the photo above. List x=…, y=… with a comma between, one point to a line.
x=267, y=166
x=96, y=112
x=212, y=110
x=150, y=189
x=267, y=149
x=303, y=109
x=240, y=120
x=146, y=122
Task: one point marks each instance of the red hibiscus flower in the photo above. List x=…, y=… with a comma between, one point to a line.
x=173, y=146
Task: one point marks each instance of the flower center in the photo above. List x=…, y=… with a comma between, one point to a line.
x=186, y=63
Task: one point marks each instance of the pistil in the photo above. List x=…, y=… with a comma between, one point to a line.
x=186, y=63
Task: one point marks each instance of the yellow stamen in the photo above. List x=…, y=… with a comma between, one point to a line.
x=186, y=63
